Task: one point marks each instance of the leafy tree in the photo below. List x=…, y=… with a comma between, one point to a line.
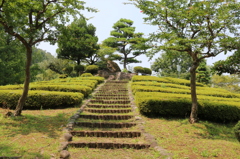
x=33, y=21
x=229, y=82
x=230, y=65
x=11, y=60
x=77, y=41
x=127, y=42
x=167, y=64
x=200, y=29
x=102, y=55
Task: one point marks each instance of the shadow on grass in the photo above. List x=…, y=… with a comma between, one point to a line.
x=48, y=125
x=209, y=129
x=217, y=131
x=8, y=152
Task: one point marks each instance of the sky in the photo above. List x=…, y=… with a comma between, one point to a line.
x=110, y=11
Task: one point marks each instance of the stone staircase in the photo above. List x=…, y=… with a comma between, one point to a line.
x=106, y=121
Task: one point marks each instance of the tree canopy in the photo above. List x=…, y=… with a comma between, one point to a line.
x=127, y=42
x=200, y=29
x=169, y=62
x=77, y=41
x=230, y=65
x=34, y=21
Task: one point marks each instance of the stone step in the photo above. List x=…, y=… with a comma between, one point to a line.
x=107, y=106
x=111, y=90
x=108, y=110
x=108, y=145
x=117, y=81
x=113, y=134
x=106, y=117
x=110, y=101
x=105, y=125
x=111, y=97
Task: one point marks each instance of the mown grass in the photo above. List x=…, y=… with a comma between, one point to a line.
x=35, y=134
x=200, y=140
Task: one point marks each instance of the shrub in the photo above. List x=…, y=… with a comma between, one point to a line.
x=68, y=70
x=41, y=99
x=79, y=68
x=86, y=75
x=180, y=107
x=147, y=71
x=93, y=69
x=138, y=69
x=63, y=88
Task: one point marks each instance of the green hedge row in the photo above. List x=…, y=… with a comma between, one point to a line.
x=209, y=110
x=209, y=92
x=96, y=78
x=64, y=88
x=163, y=80
x=157, y=84
x=61, y=88
x=89, y=83
x=41, y=99
x=161, y=95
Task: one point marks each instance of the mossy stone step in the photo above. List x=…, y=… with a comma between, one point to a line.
x=107, y=145
x=110, y=101
x=107, y=106
x=108, y=110
x=105, y=125
x=114, y=134
x=106, y=117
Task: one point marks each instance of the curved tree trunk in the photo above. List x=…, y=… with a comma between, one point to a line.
x=23, y=98
x=194, y=111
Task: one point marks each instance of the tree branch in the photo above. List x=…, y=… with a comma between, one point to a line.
x=3, y=1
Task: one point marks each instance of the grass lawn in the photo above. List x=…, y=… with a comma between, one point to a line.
x=192, y=141
x=37, y=134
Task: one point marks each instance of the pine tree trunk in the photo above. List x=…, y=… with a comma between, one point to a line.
x=23, y=98
x=194, y=111
x=125, y=62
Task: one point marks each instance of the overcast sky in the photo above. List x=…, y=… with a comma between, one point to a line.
x=110, y=11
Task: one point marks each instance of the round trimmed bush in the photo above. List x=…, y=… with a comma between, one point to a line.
x=138, y=69
x=86, y=75
x=93, y=69
x=147, y=71
x=79, y=68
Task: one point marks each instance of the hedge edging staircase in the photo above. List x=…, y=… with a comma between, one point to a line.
x=110, y=101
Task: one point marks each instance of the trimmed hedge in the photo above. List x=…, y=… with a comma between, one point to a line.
x=64, y=88
x=209, y=110
x=85, y=90
x=93, y=69
x=88, y=83
x=138, y=88
x=171, y=97
x=137, y=78
x=163, y=85
x=41, y=99
x=95, y=78
x=174, y=95
x=86, y=75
